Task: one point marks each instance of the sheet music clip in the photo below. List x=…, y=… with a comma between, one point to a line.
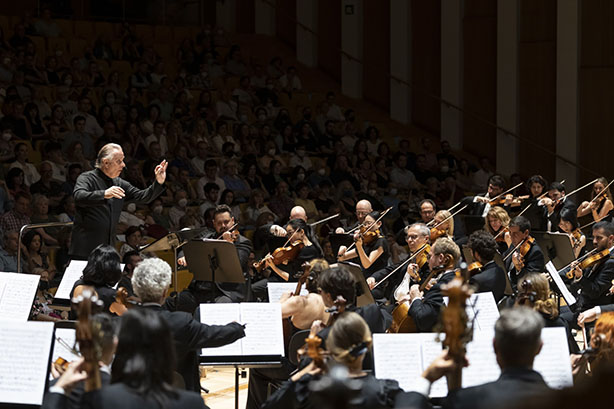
x=213, y=260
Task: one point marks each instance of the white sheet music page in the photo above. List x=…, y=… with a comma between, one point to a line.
x=221, y=314
x=553, y=360
x=263, y=329
x=276, y=290
x=25, y=350
x=483, y=365
x=558, y=281
x=400, y=356
x=485, y=309
x=17, y=292
x=73, y=272
x=64, y=342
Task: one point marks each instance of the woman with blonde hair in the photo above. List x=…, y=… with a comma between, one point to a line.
x=600, y=205
x=496, y=222
x=442, y=228
x=347, y=343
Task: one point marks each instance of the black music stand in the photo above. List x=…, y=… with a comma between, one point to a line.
x=472, y=223
x=213, y=260
x=338, y=240
x=366, y=297
x=556, y=248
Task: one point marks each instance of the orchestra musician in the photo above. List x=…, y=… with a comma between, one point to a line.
x=427, y=210
x=568, y=223
x=489, y=276
x=363, y=208
x=524, y=255
x=417, y=237
x=555, y=203
x=600, y=205
x=371, y=247
x=592, y=284
x=536, y=185
x=497, y=223
x=480, y=205
x=424, y=305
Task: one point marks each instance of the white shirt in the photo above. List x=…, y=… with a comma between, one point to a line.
x=31, y=175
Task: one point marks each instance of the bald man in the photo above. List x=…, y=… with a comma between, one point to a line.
x=297, y=212
x=363, y=208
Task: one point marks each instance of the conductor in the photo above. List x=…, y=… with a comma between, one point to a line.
x=99, y=197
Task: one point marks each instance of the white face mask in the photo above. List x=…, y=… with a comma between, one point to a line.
x=271, y=152
x=158, y=209
x=322, y=171
x=183, y=202
x=68, y=82
x=300, y=176
x=131, y=208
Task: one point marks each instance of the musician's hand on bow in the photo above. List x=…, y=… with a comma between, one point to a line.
x=371, y=282
x=577, y=272
x=341, y=252
x=316, y=327
x=227, y=235
x=589, y=315
x=412, y=270
x=160, y=172
x=278, y=231
x=611, y=290
x=481, y=199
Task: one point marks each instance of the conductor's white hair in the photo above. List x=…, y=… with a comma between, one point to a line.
x=151, y=278
x=106, y=152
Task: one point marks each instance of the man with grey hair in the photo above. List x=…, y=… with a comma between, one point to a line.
x=516, y=343
x=99, y=198
x=151, y=280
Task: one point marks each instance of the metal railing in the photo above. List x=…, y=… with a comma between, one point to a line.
x=35, y=226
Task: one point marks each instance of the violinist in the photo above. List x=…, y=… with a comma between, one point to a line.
x=536, y=185
x=204, y=291
x=363, y=208
x=424, y=306
x=371, y=247
x=480, y=205
x=555, y=203
x=488, y=276
x=524, y=255
x=443, y=225
x=417, y=238
x=497, y=224
x=568, y=223
x=593, y=282
x=600, y=205
x=296, y=232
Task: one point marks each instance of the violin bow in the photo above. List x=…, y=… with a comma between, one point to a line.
x=413, y=256
x=506, y=192
x=602, y=192
x=587, y=224
x=546, y=193
x=371, y=225
x=449, y=217
x=231, y=228
x=325, y=220
x=515, y=248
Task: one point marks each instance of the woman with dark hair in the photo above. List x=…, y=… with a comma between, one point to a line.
x=102, y=272
x=297, y=230
x=569, y=224
x=34, y=126
x=37, y=258
x=15, y=182
x=536, y=185
x=371, y=247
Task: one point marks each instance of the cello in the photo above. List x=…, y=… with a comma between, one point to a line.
x=88, y=336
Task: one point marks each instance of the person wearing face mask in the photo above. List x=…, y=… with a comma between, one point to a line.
x=300, y=158
x=157, y=214
x=99, y=197
x=179, y=208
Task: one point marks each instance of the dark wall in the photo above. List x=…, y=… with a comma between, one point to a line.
x=246, y=19
x=285, y=21
x=376, y=53
x=329, y=37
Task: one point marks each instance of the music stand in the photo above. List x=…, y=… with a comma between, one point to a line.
x=213, y=260
x=173, y=241
x=558, y=246
x=366, y=297
x=472, y=223
x=338, y=240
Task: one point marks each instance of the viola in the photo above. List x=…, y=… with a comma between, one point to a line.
x=282, y=255
x=88, y=337
x=576, y=238
x=234, y=233
x=315, y=352
x=437, y=233
x=122, y=303
x=523, y=248
x=590, y=260
x=525, y=295
x=474, y=268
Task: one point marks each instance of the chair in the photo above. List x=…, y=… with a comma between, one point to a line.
x=296, y=342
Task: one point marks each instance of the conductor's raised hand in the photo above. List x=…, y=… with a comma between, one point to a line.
x=160, y=172
x=114, y=191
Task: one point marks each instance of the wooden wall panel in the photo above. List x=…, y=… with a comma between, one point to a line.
x=480, y=77
x=246, y=19
x=537, y=86
x=376, y=53
x=426, y=64
x=329, y=37
x=285, y=21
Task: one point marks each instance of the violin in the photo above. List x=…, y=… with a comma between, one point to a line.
x=437, y=233
x=514, y=201
x=525, y=295
x=234, y=233
x=282, y=255
x=500, y=236
x=522, y=249
x=88, y=336
x=475, y=268
x=315, y=352
x=122, y=303
x=338, y=308
x=421, y=256
x=589, y=260
x=368, y=236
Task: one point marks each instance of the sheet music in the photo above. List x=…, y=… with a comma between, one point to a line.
x=60, y=348
x=403, y=357
x=558, y=281
x=25, y=350
x=553, y=360
x=484, y=308
x=221, y=314
x=73, y=272
x=276, y=290
x=263, y=329
x=17, y=292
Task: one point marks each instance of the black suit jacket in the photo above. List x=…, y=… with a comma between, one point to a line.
x=190, y=336
x=74, y=400
x=425, y=311
x=491, y=278
x=595, y=283
x=533, y=262
x=555, y=217
x=473, y=208
x=607, y=308
x=118, y=395
x=515, y=385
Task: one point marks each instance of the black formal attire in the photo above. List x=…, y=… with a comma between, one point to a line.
x=190, y=336
x=392, y=282
x=293, y=267
x=491, y=278
x=119, y=395
x=533, y=262
x=97, y=217
x=537, y=215
x=555, y=217
x=515, y=385
x=425, y=311
x=106, y=293
x=74, y=400
x=474, y=208
x=607, y=308
x=381, y=261
x=374, y=393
